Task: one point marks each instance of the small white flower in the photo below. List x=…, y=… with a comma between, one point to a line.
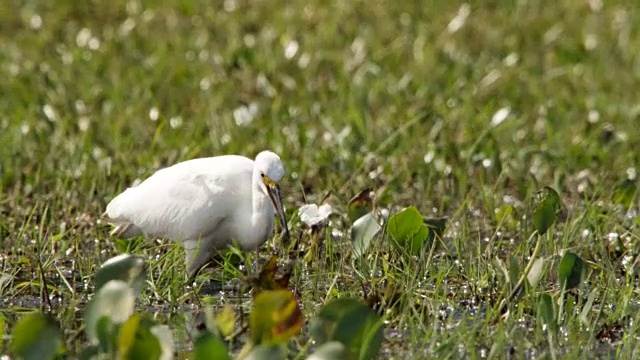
x=312, y=215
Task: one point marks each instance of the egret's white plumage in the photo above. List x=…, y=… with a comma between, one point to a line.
x=206, y=203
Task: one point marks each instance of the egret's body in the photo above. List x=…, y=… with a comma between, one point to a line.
x=205, y=203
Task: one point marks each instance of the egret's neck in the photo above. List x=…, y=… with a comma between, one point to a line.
x=263, y=214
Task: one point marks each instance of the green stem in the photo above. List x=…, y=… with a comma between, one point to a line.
x=520, y=282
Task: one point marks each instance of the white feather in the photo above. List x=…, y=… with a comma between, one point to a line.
x=206, y=203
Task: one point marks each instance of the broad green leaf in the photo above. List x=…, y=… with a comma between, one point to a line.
x=333, y=350
x=137, y=342
x=104, y=332
x=210, y=347
x=408, y=230
x=360, y=205
x=226, y=321
x=361, y=332
x=546, y=312
x=534, y=275
x=125, y=267
x=36, y=337
x=323, y=326
x=351, y=323
x=570, y=270
x=363, y=232
x=127, y=334
x=275, y=317
x=115, y=300
x=546, y=211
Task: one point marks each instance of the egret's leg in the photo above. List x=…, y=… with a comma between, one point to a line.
x=197, y=254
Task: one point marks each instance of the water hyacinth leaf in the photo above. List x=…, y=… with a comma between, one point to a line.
x=210, y=347
x=570, y=270
x=226, y=321
x=136, y=341
x=332, y=350
x=360, y=205
x=360, y=330
x=266, y=352
x=115, y=300
x=546, y=313
x=407, y=230
x=547, y=210
x=323, y=326
x=127, y=334
x=275, y=317
x=35, y=337
x=534, y=275
x=104, y=331
x=124, y=267
x=351, y=323
x=363, y=231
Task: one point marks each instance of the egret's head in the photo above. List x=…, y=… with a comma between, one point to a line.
x=269, y=165
x=271, y=170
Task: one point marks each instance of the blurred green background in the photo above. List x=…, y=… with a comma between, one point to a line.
x=456, y=108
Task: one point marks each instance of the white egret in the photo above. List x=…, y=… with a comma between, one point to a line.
x=206, y=204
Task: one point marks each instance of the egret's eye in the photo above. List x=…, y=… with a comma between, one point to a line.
x=262, y=174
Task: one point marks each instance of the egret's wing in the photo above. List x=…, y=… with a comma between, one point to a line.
x=178, y=202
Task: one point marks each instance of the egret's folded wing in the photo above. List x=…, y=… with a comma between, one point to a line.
x=170, y=204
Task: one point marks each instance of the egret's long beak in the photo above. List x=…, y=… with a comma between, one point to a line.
x=274, y=193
